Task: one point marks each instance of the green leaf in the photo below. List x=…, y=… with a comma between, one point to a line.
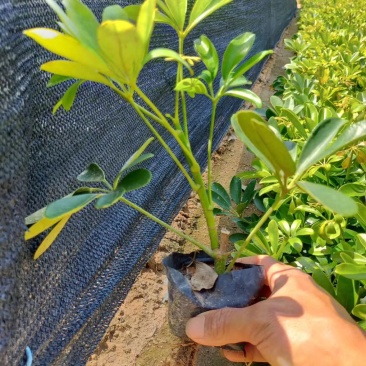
x=66, y=22
x=276, y=102
x=236, y=237
x=235, y=52
x=136, y=179
x=177, y=10
x=220, y=196
x=68, y=205
x=57, y=79
x=306, y=208
x=273, y=234
x=315, y=147
x=261, y=242
x=354, y=189
x=296, y=243
x=360, y=311
x=136, y=158
x=145, y=22
x=305, y=231
x=68, y=98
x=247, y=65
x=361, y=241
x=294, y=119
x=347, y=294
x=35, y=216
x=192, y=86
x=50, y=238
x=361, y=215
x=114, y=12
x=349, y=136
x=323, y=281
x=85, y=24
x=246, y=95
x=202, y=9
x=235, y=189
x=249, y=192
x=264, y=143
x=93, y=173
x=253, y=175
x=110, y=199
x=207, y=51
x=132, y=12
x=306, y=264
x=240, y=81
x=333, y=200
x=166, y=53
x=351, y=271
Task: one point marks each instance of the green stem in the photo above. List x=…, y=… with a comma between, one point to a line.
x=260, y=223
x=199, y=186
x=178, y=135
x=108, y=184
x=207, y=210
x=168, y=227
x=209, y=153
x=182, y=95
x=165, y=145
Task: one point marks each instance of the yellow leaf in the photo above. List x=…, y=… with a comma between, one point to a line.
x=66, y=46
x=40, y=227
x=346, y=162
x=361, y=157
x=145, y=22
x=74, y=70
x=122, y=48
x=50, y=238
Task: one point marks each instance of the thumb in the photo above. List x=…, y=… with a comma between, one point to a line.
x=224, y=326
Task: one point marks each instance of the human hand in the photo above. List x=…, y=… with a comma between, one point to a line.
x=298, y=324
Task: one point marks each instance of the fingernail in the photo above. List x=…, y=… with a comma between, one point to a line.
x=195, y=328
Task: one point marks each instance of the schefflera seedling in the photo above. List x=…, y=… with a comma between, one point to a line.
x=113, y=53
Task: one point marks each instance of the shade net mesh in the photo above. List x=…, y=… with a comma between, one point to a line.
x=61, y=304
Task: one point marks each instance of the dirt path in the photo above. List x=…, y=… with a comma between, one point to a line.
x=139, y=335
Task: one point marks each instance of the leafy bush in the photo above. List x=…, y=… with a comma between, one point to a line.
x=325, y=81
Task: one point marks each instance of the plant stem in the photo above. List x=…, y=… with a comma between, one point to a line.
x=182, y=95
x=176, y=134
x=260, y=223
x=199, y=185
x=107, y=184
x=202, y=246
x=207, y=211
x=165, y=145
x=209, y=153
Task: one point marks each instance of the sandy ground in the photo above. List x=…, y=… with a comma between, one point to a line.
x=139, y=335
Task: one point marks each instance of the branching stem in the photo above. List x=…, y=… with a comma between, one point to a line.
x=200, y=245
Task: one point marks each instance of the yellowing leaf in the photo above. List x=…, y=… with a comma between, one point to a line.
x=122, y=47
x=346, y=162
x=74, y=70
x=40, y=227
x=50, y=238
x=66, y=46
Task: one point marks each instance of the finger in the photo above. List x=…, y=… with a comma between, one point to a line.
x=249, y=354
x=272, y=269
x=225, y=326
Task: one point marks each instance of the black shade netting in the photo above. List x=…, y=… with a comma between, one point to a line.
x=61, y=304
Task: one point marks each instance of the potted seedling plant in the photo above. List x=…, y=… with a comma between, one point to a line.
x=113, y=53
